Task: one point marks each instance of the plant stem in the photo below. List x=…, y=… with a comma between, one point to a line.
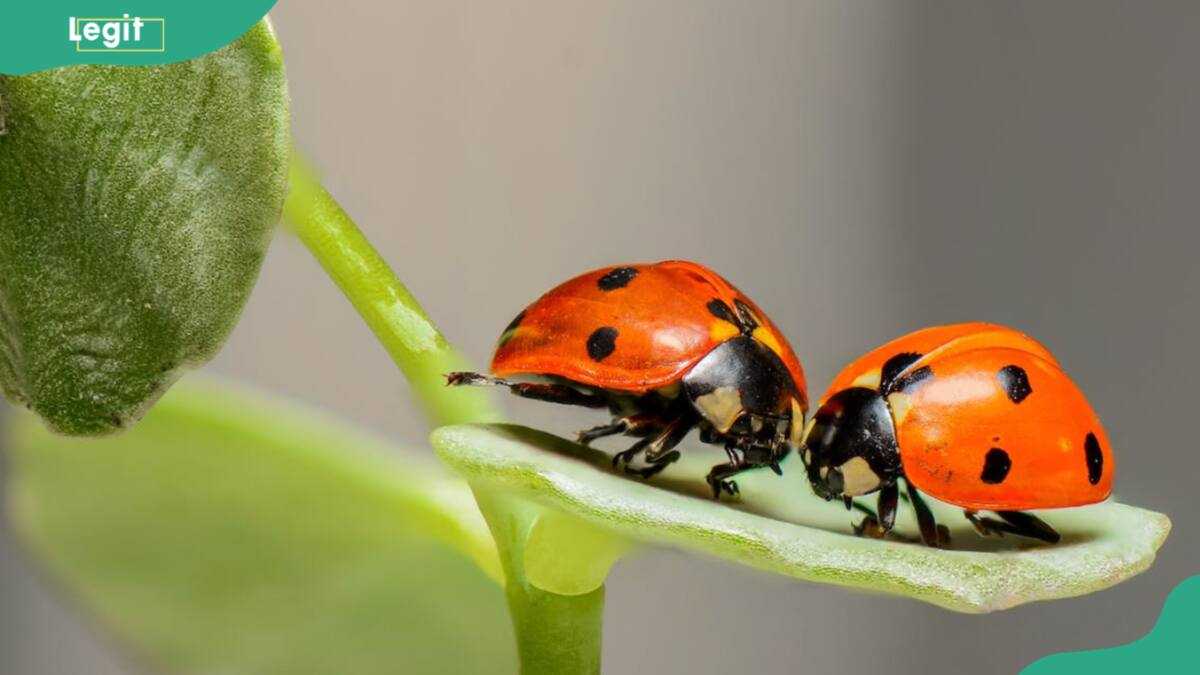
x=555, y=633
x=394, y=315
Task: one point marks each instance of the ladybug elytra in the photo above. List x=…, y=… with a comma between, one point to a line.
x=667, y=347
x=976, y=415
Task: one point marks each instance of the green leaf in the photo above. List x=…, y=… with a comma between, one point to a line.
x=228, y=533
x=779, y=526
x=136, y=205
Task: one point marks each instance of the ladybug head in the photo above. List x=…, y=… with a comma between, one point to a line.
x=744, y=392
x=850, y=448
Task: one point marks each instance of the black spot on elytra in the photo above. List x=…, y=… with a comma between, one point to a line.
x=602, y=342
x=507, y=334
x=617, y=278
x=1095, y=458
x=893, y=367
x=1015, y=382
x=743, y=318
x=995, y=466
x=515, y=322
x=719, y=309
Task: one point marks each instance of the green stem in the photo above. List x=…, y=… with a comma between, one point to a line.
x=395, y=316
x=555, y=633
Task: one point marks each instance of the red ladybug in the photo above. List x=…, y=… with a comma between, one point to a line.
x=666, y=347
x=977, y=415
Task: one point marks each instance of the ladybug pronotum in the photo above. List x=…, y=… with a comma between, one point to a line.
x=976, y=415
x=667, y=347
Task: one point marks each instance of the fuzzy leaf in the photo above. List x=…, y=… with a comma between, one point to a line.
x=136, y=204
x=228, y=533
x=779, y=526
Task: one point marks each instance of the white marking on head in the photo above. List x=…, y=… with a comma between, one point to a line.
x=857, y=477
x=721, y=407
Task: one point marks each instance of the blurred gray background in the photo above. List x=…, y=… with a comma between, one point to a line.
x=859, y=168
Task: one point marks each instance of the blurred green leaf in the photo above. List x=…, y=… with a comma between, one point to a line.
x=228, y=533
x=136, y=205
x=780, y=526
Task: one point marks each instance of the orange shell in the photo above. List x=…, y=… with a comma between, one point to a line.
x=949, y=422
x=662, y=321
x=957, y=337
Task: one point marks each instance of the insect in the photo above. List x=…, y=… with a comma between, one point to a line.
x=977, y=415
x=667, y=347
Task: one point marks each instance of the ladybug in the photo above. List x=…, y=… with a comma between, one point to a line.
x=666, y=347
x=976, y=415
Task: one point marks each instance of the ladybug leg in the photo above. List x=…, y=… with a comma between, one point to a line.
x=660, y=450
x=1015, y=522
x=663, y=444
x=889, y=498
x=932, y=534
x=1028, y=525
x=553, y=393
x=731, y=451
x=716, y=478
x=743, y=455
x=984, y=526
x=626, y=456
x=634, y=425
x=869, y=527
x=877, y=527
x=618, y=426
x=655, y=468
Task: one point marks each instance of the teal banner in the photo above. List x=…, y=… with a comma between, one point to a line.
x=41, y=34
x=1170, y=647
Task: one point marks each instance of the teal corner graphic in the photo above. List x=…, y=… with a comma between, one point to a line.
x=1167, y=648
x=54, y=33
